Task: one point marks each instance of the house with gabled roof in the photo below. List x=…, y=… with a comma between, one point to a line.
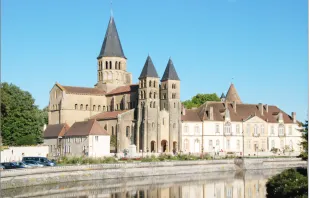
x=145, y=114
x=86, y=138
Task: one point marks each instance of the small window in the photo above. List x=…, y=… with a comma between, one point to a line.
x=174, y=105
x=86, y=107
x=81, y=107
x=112, y=130
x=217, y=128
x=96, y=138
x=127, y=131
x=150, y=94
x=154, y=83
x=153, y=104
x=119, y=65
x=106, y=65
x=116, y=65
x=94, y=107
x=99, y=108
x=154, y=95
x=110, y=64
x=75, y=106
x=150, y=83
x=150, y=104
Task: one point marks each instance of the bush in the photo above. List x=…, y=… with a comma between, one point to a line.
x=290, y=183
x=85, y=160
x=150, y=159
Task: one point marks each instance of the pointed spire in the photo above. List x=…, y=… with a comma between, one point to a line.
x=170, y=72
x=148, y=69
x=232, y=95
x=222, y=96
x=111, y=46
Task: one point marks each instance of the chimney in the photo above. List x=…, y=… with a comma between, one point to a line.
x=235, y=106
x=266, y=107
x=260, y=108
x=211, y=113
x=294, y=117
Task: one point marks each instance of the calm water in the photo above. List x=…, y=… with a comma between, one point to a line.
x=249, y=184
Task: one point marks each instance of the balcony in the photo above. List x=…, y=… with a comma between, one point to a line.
x=256, y=134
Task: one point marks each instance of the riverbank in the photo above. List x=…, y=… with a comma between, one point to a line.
x=49, y=175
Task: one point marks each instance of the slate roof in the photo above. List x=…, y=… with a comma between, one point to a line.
x=170, y=72
x=222, y=96
x=232, y=95
x=55, y=130
x=124, y=89
x=148, y=69
x=111, y=46
x=191, y=115
x=108, y=115
x=244, y=111
x=85, y=128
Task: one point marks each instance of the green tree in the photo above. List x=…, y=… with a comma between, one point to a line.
x=199, y=99
x=45, y=115
x=290, y=183
x=304, y=143
x=113, y=141
x=22, y=120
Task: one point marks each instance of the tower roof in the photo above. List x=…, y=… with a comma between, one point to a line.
x=170, y=72
x=148, y=69
x=232, y=95
x=111, y=46
x=222, y=96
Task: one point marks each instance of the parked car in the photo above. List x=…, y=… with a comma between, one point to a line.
x=33, y=163
x=10, y=165
x=22, y=165
x=1, y=167
x=41, y=160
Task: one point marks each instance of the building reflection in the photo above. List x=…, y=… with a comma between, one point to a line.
x=237, y=188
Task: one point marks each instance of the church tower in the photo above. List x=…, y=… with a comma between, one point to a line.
x=148, y=106
x=170, y=101
x=112, y=63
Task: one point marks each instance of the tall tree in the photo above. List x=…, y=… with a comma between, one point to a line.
x=199, y=99
x=304, y=143
x=22, y=120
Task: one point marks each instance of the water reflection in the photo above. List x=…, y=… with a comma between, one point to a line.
x=249, y=184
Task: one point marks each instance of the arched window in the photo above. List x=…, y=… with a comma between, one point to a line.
x=227, y=128
x=103, y=108
x=81, y=107
x=154, y=95
x=154, y=83
x=127, y=131
x=144, y=83
x=119, y=65
x=110, y=64
x=99, y=108
x=150, y=94
x=165, y=86
x=116, y=65
x=112, y=130
x=86, y=107
x=153, y=104
x=141, y=94
x=150, y=83
x=106, y=65
x=94, y=107
x=144, y=94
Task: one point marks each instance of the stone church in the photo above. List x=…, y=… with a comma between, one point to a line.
x=146, y=114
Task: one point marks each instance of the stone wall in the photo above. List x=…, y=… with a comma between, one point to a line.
x=49, y=175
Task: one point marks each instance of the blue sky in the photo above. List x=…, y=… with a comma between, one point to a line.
x=263, y=44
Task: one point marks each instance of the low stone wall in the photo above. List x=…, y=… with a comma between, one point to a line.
x=49, y=175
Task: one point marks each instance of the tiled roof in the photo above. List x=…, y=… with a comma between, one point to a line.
x=81, y=90
x=111, y=46
x=55, y=130
x=190, y=115
x=170, y=72
x=148, y=69
x=85, y=128
x=232, y=95
x=107, y=115
x=124, y=89
x=244, y=111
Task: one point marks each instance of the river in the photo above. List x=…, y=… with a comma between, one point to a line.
x=248, y=184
